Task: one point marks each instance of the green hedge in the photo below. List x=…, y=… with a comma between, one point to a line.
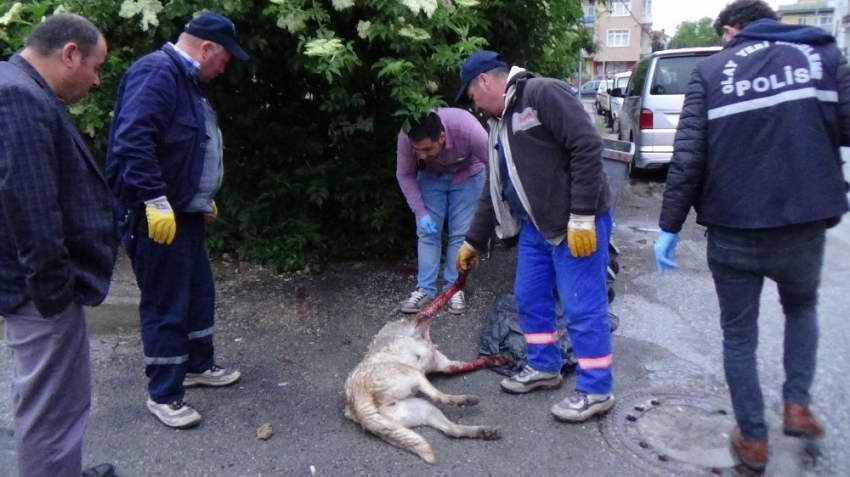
x=310, y=121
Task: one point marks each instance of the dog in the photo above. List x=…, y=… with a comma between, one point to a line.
x=380, y=393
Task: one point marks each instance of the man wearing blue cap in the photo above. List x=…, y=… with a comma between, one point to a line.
x=164, y=163
x=547, y=190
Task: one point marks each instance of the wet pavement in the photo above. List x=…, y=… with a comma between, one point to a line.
x=296, y=337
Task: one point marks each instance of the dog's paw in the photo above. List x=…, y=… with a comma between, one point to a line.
x=489, y=433
x=469, y=401
x=499, y=361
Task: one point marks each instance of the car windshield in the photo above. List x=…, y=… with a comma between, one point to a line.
x=673, y=74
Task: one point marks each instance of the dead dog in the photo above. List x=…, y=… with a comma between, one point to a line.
x=380, y=393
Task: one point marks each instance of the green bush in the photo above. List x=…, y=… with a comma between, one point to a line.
x=310, y=121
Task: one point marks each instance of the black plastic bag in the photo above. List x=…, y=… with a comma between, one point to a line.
x=503, y=336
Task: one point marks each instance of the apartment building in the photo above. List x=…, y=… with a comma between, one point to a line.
x=831, y=15
x=623, y=34
x=809, y=12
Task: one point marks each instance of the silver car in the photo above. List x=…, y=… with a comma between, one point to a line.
x=653, y=101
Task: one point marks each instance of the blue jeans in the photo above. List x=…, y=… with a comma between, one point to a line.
x=446, y=202
x=581, y=287
x=740, y=260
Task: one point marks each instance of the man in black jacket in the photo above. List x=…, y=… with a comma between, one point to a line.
x=757, y=156
x=547, y=190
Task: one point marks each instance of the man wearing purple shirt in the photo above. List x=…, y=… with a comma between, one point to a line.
x=440, y=168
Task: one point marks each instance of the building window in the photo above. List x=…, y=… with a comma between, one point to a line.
x=618, y=38
x=825, y=19
x=621, y=8
x=802, y=20
x=647, y=7
x=589, y=10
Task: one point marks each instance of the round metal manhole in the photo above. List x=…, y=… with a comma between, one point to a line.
x=676, y=434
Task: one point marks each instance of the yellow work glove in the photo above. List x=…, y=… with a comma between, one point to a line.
x=161, y=223
x=581, y=235
x=467, y=257
x=213, y=215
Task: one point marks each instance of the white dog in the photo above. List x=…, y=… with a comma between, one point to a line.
x=380, y=392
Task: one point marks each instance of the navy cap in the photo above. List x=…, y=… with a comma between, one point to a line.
x=218, y=29
x=479, y=62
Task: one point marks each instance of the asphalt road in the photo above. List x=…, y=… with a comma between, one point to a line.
x=295, y=338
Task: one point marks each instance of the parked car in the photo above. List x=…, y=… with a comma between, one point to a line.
x=588, y=89
x=621, y=80
x=601, y=95
x=653, y=101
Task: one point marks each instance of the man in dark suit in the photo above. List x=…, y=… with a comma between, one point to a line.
x=58, y=242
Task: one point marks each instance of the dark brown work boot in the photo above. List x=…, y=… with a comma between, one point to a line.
x=800, y=422
x=751, y=454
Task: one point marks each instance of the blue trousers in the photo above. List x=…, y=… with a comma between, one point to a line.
x=542, y=267
x=51, y=389
x=446, y=202
x=740, y=260
x=177, y=306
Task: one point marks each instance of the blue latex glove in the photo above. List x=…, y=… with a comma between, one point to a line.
x=426, y=223
x=665, y=248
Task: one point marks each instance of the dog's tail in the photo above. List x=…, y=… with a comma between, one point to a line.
x=368, y=415
x=422, y=324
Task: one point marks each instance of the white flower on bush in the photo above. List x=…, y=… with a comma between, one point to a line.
x=340, y=5
x=414, y=33
x=12, y=14
x=426, y=6
x=294, y=22
x=363, y=29
x=323, y=47
x=148, y=8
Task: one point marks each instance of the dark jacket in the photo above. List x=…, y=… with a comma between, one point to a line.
x=758, y=140
x=554, y=159
x=158, y=137
x=58, y=238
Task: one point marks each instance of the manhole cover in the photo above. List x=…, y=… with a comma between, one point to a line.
x=678, y=434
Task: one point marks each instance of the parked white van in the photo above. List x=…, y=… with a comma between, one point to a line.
x=653, y=101
x=612, y=113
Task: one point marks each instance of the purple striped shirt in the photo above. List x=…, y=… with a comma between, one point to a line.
x=464, y=154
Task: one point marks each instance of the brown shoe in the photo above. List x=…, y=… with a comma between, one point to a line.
x=800, y=422
x=752, y=454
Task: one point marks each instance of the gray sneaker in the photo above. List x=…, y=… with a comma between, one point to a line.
x=457, y=304
x=177, y=414
x=530, y=379
x=215, y=377
x=416, y=302
x=582, y=406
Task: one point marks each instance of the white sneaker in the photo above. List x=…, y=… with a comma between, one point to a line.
x=415, y=302
x=530, y=379
x=582, y=406
x=177, y=414
x=457, y=304
x=215, y=377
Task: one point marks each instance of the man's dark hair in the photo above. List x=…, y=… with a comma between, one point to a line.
x=58, y=30
x=741, y=13
x=426, y=127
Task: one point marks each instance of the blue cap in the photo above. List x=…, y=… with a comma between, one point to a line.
x=479, y=62
x=218, y=29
